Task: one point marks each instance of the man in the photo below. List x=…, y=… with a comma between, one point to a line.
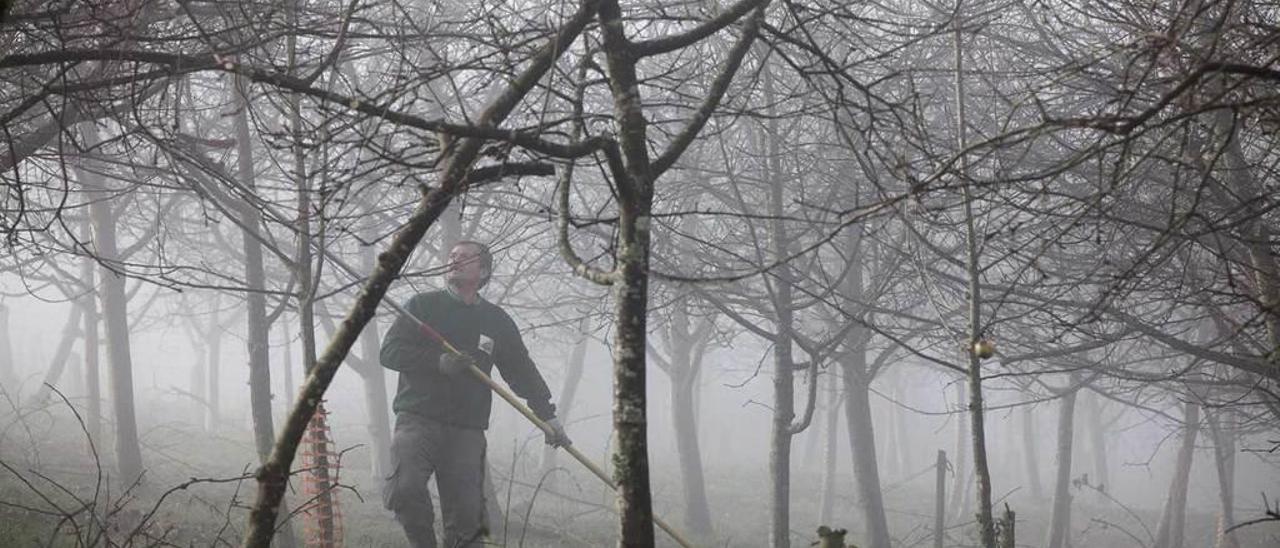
x=442, y=411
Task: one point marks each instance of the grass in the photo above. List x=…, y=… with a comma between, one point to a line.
x=196, y=492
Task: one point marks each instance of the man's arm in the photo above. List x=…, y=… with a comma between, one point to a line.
x=517, y=368
x=405, y=347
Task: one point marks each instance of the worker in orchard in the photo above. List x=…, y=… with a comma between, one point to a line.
x=442, y=409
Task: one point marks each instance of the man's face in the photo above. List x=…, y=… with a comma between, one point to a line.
x=465, y=268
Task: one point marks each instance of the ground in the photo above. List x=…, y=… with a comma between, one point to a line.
x=190, y=497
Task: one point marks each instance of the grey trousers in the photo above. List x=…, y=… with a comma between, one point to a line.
x=421, y=447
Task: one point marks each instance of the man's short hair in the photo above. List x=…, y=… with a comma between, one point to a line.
x=486, y=259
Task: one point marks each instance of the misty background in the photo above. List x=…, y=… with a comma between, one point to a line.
x=989, y=273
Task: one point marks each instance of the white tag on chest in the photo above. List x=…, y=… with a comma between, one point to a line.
x=486, y=344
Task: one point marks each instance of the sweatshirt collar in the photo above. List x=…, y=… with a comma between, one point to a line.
x=458, y=298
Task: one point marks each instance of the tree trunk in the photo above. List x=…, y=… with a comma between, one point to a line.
x=375, y=387
x=324, y=510
x=631, y=455
x=981, y=474
x=697, y=511
x=780, y=447
x=1254, y=230
x=212, y=417
x=1030, y=453
x=373, y=378
x=634, y=176
x=1172, y=521
x=902, y=437
x=286, y=364
x=1059, y=523
x=568, y=389
x=630, y=286
x=376, y=403
x=831, y=439
x=960, y=464
x=92, y=382
x=686, y=347
x=1224, y=458
x=784, y=363
x=977, y=413
x=119, y=357
x=857, y=378
x=75, y=385
x=200, y=378
x=255, y=281
x=1098, y=443
x=939, y=500
x=862, y=444
x=886, y=444
x=1006, y=528
x=8, y=373
x=70, y=332
x=813, y=439
x=259, y=330
x=450, y=224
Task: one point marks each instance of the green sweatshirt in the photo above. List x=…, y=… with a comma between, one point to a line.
x=482, y=330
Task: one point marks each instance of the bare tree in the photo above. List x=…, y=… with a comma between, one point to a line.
x=115, y=319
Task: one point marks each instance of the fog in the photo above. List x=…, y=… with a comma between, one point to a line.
x=914, y=408
x=805, y=273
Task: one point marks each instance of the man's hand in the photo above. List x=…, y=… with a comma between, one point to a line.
x=556, y=437
x=454, y=365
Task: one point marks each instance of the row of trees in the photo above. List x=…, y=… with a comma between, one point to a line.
x=858, y=186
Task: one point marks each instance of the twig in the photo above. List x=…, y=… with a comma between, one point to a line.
x=529, y=508
x=1126, y=509
x=1269, y=514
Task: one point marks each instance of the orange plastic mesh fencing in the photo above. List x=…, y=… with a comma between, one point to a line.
x=322, y=515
